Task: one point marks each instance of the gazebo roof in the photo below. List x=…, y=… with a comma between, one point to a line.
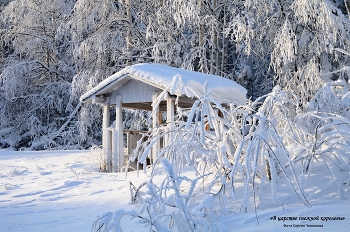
x=222, y=90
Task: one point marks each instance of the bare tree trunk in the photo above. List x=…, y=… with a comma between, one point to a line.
x=128, y=36
x=203, y=66
x=223, y=43
x=215, y=49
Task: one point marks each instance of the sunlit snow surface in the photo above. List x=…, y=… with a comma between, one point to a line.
x=63, y=191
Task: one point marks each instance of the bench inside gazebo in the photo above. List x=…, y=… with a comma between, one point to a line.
x=137, y=87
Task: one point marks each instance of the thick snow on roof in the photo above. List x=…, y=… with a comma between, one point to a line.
x=222, y=90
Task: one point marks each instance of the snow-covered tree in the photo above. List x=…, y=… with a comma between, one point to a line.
x=72, y=45
x=189, y=34
x=291, y=41
x=106, y=37
x=35, y=81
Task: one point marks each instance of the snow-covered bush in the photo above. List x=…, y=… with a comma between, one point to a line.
x=258, y=145
x=325, y=133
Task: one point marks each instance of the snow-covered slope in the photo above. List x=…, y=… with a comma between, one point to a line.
x=63, y=191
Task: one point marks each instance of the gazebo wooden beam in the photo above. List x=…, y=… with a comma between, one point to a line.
x=106, y=134
x=170, y=120
x=118, y=151
x=139, y=106
x=156, y=123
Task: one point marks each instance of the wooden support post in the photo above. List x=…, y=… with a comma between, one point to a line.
x=170, y=111
x=170, y=119
x=118, y=151
x=110, y=148
x=106, y=138
x=156, y=123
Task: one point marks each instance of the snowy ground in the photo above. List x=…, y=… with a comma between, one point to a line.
x=63, y=191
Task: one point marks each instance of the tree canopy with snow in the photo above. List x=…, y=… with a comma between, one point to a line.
x=54, y=51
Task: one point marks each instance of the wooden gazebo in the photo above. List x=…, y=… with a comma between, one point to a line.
x=138, y=86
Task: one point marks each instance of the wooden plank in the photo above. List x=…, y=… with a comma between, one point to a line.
x=138, y=106
x=135, y=91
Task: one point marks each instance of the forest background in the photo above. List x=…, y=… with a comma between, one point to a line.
x=52, y=51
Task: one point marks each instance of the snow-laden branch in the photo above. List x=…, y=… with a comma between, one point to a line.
x=244, y=151
x=57, y=133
